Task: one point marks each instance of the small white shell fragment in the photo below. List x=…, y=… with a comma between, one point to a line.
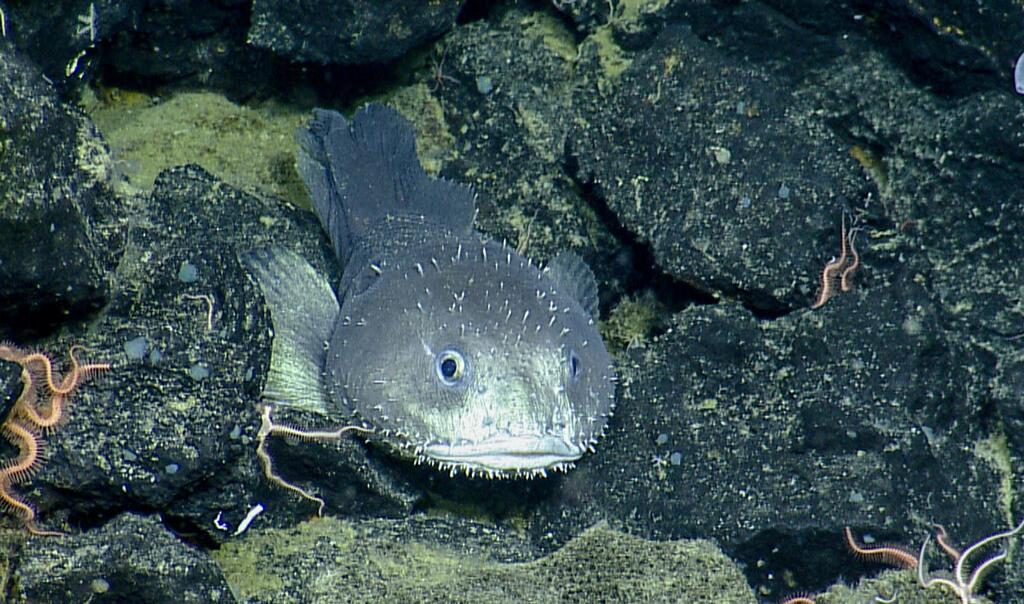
x=1018, y=75
x=254, y=511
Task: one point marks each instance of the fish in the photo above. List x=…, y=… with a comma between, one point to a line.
x=456, y=350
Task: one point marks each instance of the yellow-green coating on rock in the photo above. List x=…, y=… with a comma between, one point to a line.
x=552, y=33
x=613, y=60
x=434, y=142
x=248, y=147
x=331, y=560
x=632, y=321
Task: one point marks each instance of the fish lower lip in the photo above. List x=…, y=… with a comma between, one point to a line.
x=508, y=453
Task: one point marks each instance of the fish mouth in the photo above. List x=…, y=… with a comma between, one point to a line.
x=508, y=453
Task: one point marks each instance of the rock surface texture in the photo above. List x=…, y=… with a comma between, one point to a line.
x=716, y=164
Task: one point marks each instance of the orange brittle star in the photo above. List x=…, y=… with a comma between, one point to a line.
x=838, y=273
x=27, y=422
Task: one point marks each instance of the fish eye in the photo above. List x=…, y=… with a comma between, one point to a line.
x=450, y=366
x=574, y=365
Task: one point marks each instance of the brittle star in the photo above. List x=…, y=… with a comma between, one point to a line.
x=269, y=428
x=439, y=76
x=839, y=271
x=962, y=586
x=26, y=423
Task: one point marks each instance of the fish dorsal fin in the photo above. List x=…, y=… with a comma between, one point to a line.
x=364, y=173
x=572, y=275
x=303, y=310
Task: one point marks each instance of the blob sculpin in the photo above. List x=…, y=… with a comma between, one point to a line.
x=456, y=349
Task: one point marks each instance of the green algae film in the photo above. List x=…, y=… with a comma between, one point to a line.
x=330, y=560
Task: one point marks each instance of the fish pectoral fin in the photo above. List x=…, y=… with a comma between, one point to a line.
x=303, y=310
x=572, y=275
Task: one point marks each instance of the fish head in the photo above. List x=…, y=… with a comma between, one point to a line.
x=468, y=358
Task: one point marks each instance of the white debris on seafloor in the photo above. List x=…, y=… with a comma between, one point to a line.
x=1018, y=75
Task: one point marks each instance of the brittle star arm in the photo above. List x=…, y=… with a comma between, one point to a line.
x=979, y=572
x=845, y=277
x=27, y=422
x=942, y=538
x=59, y=394
x=928, y=583
x=965, y=586
x=828, y=278
x=269, y=428
x=17, y=471
x=830, y=275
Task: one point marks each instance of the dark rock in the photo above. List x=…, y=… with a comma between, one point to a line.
x=586, y=15
x=658, y=146
x=11, y=387
x=749, y=186
x=952, y=174
x=900, y=395
x=506, y=88
x=54, y=193
x=144, y=44
x=1007, y=389
x=65, y=37
x=953, y=48
x=190, y=43
x=949, y=174
x=770, y=436
x=182, y=395
x=352, y=31
x=130, y=559
x=885, y=402
x=240, y=47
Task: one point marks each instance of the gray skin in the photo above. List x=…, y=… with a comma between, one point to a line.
x=456, y=350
